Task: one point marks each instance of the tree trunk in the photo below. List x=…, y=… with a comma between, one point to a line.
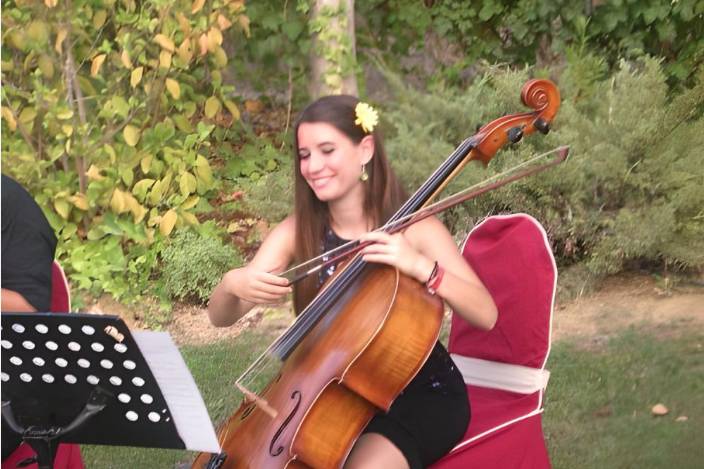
x=333, y=55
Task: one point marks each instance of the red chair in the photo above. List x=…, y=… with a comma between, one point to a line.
x=505, y=368
x=68, y=456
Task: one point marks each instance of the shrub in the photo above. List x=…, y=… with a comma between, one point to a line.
x=194, y=263
x=631, y=190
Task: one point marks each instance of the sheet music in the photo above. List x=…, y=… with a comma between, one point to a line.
x=179, y=389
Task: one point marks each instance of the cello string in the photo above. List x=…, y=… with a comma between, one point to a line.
x=507, y=175
x=308, y=319
x=289, y=339
x=310, y=315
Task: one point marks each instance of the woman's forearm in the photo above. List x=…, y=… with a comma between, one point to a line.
x=225, y=307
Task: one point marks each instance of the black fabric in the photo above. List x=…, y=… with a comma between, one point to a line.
x=28, y=246
x=432, y=414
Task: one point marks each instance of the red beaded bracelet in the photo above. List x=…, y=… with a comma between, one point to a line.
x=433, y=282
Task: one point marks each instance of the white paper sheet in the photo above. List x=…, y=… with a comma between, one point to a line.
x=179, y=389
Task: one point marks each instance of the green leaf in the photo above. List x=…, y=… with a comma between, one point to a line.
x=141, y=187
x=183, y=124
x=62, y=207
x=120, y=105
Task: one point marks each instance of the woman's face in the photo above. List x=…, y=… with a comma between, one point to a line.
x=329, y=161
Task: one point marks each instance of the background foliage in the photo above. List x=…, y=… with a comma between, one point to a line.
x=129, y=120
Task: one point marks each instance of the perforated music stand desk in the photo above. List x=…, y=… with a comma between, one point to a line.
x=66, y=380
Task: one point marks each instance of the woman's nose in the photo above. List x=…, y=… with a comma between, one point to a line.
x=315, y=162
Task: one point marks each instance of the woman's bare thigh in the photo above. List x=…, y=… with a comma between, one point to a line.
x=373, y=450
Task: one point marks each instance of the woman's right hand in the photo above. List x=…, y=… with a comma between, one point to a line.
x=256, y=286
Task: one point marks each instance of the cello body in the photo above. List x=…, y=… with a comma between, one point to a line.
x=352, y=365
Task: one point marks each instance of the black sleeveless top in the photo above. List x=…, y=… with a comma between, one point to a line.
x=431, y=415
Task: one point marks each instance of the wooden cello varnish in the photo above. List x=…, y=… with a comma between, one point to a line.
x=345, y=371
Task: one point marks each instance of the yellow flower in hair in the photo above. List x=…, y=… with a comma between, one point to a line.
x=366, y=117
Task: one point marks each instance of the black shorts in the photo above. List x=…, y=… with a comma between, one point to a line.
x=430, y=416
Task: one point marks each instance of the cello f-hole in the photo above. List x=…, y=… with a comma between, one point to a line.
x=296, y=395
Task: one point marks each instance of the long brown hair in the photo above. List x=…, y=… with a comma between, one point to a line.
x=382, y=196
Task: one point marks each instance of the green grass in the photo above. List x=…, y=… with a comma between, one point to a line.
x=598, y=403
x=597, y=407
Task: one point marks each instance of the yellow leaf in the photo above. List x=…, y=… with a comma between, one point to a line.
x=234, y=110
x=131, y=134
x=99, y=18
x=131, y=203
x=185, y=51
x=165, y=42
x=184, y=24
x=156, y=193
x=187, y=183
x=111, y=153
x=165, y=59
x=7, y=115
x=214, y=39
x=189, y=218
x=146, y=163
x=67, y=129
x=197, y=6
x=243, y=20
x=223, y=22
x=60, y=36
x=203, y=44
x=51, y=3
x=93, y=173
x=96, y=64
x=64, y=114
x=201, y=161
x=125, y=59
x=117, y=202
x=80, y=201
x=138, y=213
x=62, y=207
x=168, y=220
x=190, y=202
x=173, y=87
x=212, y=106
x=136, y=76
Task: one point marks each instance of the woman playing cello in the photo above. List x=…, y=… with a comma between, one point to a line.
x=345, y=188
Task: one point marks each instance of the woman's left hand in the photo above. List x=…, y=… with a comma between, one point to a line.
x=396, y=251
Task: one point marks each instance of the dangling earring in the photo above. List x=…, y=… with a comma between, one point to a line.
x=364, y=176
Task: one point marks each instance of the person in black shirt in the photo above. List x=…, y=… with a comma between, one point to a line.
x=28, y=246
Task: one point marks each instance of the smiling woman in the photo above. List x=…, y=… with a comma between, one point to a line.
x=345, y=188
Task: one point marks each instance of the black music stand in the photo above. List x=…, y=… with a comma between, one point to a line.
x=84, y=378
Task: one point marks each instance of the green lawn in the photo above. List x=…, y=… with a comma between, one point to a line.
x=597, y=408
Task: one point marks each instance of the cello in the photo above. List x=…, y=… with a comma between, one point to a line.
x=359, y=342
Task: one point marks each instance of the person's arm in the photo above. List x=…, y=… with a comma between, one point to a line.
x=15, y=302
x=415, y=253
x=256, y=283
